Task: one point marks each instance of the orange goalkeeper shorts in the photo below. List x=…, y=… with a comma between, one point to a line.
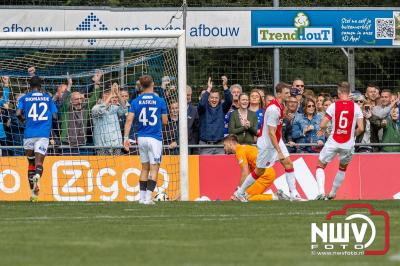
x=262, y=183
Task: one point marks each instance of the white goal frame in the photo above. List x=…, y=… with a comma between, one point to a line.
x=180, y=35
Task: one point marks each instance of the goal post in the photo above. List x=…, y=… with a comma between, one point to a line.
x=183, y=129
x=116, y=40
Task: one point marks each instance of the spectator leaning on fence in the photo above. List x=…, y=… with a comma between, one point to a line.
x=380, y=111
x=287, y=126
x=124, y=94
x=211, y=114
x=61, y=89
x=298, y=90
x=106, y=127
x=3, y=103
x=243, y=122
x=365, y=136
x=171, y=130
x=75, y=114
x=306, y=126
x=383, y=109
x=256, y=107
x=391, y=131
x=236, y=90
x=371, y=94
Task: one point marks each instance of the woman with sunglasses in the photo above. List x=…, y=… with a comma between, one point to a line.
x=306, y=126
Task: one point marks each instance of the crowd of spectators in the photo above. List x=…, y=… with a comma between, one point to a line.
x=96, y=117
x=243, y=115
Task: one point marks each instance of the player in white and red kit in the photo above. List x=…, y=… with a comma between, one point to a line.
x=270, y=145
x=345, y=115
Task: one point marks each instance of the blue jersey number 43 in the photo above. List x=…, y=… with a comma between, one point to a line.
x=152, y=120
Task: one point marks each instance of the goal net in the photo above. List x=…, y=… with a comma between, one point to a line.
x=92, y=77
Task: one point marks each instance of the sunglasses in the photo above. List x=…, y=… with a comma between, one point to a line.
x=308, y=106
x=359, y=101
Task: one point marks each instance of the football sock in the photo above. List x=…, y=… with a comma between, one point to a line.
x=39, y=170
x=143, y=188
x=321, y=180
x=31, y=173
x=291, y=181
x=151, y=185
x=338, y=181
x=250, y=179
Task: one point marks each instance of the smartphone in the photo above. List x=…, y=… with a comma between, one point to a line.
x=294, y=91
x=367, y=108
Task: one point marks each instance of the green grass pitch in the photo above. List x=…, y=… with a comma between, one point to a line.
x=174, y=233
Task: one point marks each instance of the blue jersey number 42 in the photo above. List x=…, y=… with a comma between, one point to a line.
x=33, y=112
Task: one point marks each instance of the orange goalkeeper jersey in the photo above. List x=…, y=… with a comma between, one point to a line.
x=246, y=154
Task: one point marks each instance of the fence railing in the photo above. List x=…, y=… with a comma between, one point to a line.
x=200, y=146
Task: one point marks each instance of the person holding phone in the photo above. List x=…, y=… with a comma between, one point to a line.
x=365, y=137
x=297, y=90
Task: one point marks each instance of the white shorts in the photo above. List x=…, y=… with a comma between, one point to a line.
x=329, y=152
x=150, y=150
x=267, y=157
x=38, y=145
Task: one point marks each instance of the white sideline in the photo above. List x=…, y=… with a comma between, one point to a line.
x=395, y=257
x=200, y=216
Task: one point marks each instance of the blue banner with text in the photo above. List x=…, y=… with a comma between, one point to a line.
x=343, y=28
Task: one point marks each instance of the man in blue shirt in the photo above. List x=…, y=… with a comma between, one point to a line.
x=151, y=113
x=39, y=110
x=211, y=114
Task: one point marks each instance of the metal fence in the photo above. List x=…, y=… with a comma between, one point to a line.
x=320, y=68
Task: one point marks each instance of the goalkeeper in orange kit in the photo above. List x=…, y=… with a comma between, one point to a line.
x=246, y=156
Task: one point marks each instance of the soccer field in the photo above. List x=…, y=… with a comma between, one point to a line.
x=174, y=233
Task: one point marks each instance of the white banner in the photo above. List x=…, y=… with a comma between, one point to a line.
x=204, y=28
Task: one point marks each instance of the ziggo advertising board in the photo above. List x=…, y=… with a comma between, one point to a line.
x=90, y=178
x=104, y=178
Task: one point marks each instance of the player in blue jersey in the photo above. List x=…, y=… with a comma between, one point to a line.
x=38, y=110
x=151, y=113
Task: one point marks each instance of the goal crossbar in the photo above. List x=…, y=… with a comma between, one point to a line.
x=54, y=35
